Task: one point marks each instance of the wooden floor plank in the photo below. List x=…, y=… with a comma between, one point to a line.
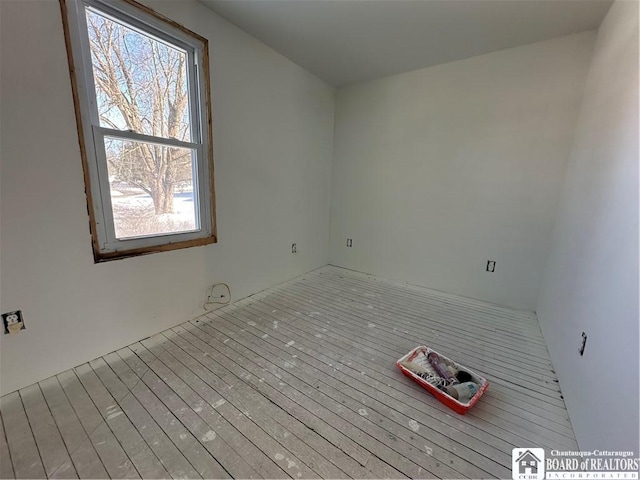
x=181, y=425
x=111, y=453
x=365, y=335
x=389, y=341
x=369, y=351
x=376, y=292
x=334, y=454
x=316, y=417
x=6, y=468
x=84, y=456
x=414, y=322
x=564, y=420
x=494, y=311
x=511, y=402
x=297, y=381
x=561, y=428
x=171, y=458
x=54, y=454
x=482, y=327
x=252, y=406
x=347, y=408
x=399, y=329
x=420, y=393
x=495, y=318
x=335, y=366
x=287, y=398
x=132, y=442
x=493, y=350
x=22, y=445
x=201, y=421
x=216, y=414
x=397, y=420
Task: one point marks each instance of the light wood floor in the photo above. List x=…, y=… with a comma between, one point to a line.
x=297, y=381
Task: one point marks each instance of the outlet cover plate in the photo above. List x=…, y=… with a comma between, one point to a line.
x=13, y=322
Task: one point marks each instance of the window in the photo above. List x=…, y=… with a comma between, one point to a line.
x=140, y=85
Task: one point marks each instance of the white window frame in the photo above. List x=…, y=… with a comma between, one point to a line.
x=91, y=134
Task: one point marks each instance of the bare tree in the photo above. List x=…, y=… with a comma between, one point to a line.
x=141, y=86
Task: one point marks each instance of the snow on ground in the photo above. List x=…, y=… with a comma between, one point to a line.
x=134, y=214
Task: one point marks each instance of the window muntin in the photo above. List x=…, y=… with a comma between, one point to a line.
x=144, y=111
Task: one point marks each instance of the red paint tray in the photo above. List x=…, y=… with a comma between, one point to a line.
x=419, y=356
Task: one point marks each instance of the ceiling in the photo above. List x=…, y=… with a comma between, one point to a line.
x=350, y=41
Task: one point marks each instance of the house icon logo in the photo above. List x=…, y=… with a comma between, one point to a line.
x=527, y=463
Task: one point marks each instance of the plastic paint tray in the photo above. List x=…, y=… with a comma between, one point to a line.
x=419, y=355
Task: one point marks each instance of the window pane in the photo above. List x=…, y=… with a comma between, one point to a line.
x=152, y=188
x=141, y=82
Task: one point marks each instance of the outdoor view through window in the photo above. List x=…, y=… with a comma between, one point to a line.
x=142, y=87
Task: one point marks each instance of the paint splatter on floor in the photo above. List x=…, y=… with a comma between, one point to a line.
x=413, y=425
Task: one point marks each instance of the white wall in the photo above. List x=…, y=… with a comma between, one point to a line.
x=591, y=281
x=273, y=136
x=438, y=170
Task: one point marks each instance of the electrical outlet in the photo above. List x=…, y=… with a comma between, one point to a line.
x=491, y=266
x=13, y=322
x=294, y=249
x=349, y=242
x=583, y=344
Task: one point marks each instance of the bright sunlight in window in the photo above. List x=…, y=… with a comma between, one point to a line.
x=143, y=107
